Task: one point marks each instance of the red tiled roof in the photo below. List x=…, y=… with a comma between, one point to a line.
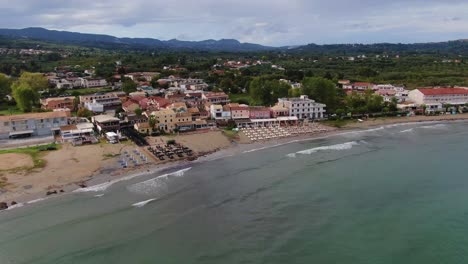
x=443, y=91
x=362, y=84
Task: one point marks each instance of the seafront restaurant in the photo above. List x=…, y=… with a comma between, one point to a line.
x=270, y=122
x=78, y=134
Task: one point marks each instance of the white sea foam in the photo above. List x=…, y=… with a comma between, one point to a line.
x=105, y=185
x=357, y=132
x=436, y=126
x=99, y=195
x=291, y=155
x=407, y=130
x=343, y=146
x=143, y=203
x=36, y=200
x=18, y=205
x=153, y=184
x=271, y=146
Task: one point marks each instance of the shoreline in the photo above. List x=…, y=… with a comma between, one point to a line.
x=105, y=177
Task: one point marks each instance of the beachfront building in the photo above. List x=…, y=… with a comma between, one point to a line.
x=239, y=111
x=278, y=110
x=33, y=124
x=216, y=111
x=436, y=97
x=302, y=107
x=165, y=119
x=145, y=76
x=54, y=103
x=259, y=112
x=78, y=133
x=106, y=123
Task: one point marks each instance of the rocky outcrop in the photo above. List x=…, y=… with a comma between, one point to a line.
x=3, y=206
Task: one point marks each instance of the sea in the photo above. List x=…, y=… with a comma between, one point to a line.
x=391, y=194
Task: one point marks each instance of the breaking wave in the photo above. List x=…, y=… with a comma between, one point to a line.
x=150, y=185
x=343, y=146
x=143, y=203
x=407, y=130
x=436, y=126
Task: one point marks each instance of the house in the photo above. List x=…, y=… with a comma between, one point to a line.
x=216, y=98
x=165, y=119
x=259, y=112
x=143, y=128
x=33, y=124
x=435, y=98
x=239, y=111
x=216, y=111
x=302, y=107
x=226, y=113
x=53, y=103
x=194, y=99
x=278, y=110
x=194, y=112
x=106, y=123
x=92, y=83
x=107, y=99
x=178, y=107
x=77, y=132
x=147, y=76
x=130, y=106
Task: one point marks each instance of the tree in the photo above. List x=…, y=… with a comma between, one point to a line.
x=35, y=81
x=152, y=121
x=267, y=92
x=321, y=90
x=25, y=97
x=138, y=111
x=226, y=85
x=84, y=112
x=5, y=86
x=129, y=86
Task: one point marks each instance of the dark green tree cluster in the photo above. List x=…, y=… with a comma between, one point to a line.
x=266, y=92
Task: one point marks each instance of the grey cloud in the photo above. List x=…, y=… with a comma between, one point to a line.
x=271, y=22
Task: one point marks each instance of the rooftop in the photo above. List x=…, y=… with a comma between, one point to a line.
x=443, y=91
x=43, y=115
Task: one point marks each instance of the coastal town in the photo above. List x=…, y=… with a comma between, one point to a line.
x=172, y=119
x=138, y=120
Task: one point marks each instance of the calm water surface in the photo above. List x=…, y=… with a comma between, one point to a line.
x=396, y=194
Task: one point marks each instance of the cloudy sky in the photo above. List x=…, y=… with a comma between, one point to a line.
x=269, y=22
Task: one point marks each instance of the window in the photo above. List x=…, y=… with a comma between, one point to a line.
x=6, y=124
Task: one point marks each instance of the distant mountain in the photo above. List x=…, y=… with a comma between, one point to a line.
x=458, y=47
x=107, y=41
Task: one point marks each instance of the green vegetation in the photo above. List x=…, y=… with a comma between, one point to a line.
x=85, y=91
x=10, y=110
x=337, y=122
x=35, y=153
x=231, y=134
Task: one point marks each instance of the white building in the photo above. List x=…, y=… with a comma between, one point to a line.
x=303, y=107
x=439, y=96
x=33, y=124
x=216, y=111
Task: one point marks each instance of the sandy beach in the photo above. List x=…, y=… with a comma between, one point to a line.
x=69, y=167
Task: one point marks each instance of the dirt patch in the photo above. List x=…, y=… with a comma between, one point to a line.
x=11, y=161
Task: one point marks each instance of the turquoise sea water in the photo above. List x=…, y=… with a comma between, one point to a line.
x=396, y=194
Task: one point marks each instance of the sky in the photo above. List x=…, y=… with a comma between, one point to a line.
x=267, y=22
